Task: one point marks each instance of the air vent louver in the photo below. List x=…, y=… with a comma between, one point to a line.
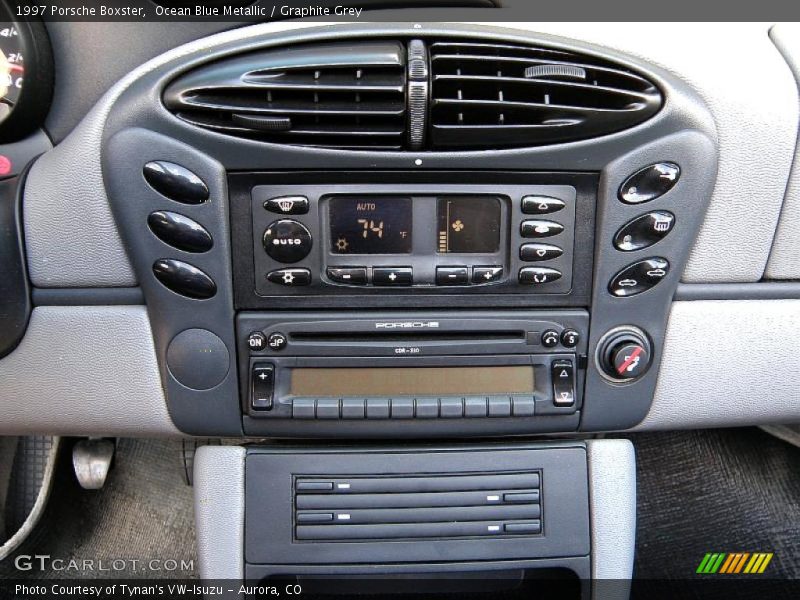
x=414, y=95
x=487, y=95
x=325, y=95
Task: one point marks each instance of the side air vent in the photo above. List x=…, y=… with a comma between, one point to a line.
x=412, y=507
x=487, y=95
x=349, y=95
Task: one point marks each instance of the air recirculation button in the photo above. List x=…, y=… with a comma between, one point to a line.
x=179, y=231
x=639, y=277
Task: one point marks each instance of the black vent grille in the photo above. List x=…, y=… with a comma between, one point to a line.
x=413, y=95
x=487, y=95
x=412, y=507
x=325, y=95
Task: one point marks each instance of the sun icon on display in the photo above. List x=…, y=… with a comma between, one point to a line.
x=341, y=244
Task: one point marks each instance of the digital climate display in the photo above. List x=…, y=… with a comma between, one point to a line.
x=370, y=224
x=468, y=224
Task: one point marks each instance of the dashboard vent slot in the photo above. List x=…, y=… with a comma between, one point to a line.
x=494, y=95
x=412, y=507
x=325, y=95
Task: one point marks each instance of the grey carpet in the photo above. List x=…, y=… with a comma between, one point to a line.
x=143, y=513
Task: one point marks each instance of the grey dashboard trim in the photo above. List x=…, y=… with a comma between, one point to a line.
x=762, y=290
x=783, y=263
x=219, y=511
x=757, y=128
x=612, y=511
x=101, y=296
x=84, y=370
x=728, y=363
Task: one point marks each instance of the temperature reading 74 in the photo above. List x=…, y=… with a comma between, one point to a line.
x=369, y=226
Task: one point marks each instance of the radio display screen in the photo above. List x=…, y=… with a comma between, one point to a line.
x=468, y=224
x=411, y=381
x=370, y=224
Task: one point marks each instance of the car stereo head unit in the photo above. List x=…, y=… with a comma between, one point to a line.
x=433, y=373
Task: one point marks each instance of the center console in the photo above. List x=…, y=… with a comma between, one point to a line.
x=378, y=232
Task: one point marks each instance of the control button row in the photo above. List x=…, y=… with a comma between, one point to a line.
x=413, y=408
x=569, y=338
x=639, y=277
x=649, y=183
x=403, y=276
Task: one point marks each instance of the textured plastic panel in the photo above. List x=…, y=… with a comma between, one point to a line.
x=783, y=263
x=728, y=363
x=84, y=371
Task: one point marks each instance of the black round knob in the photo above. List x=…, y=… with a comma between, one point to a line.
x=287, y=241
x=625, y=354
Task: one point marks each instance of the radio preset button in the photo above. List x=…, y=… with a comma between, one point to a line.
x=451, y=408
x=570, y=338
x=639, y=277
x=402, y=408
x=487, y=274
x=352, y=408
x=349, y=275
x=541, y=205
x=452, y=275
x=304, y=408
x=290, y=277
x=499, y=406
x=287, y=241
x=523, y=406
x=392, y=276
x=427, y=408
x=550, y=338
x=538, y=275
x=328, y=408
x=475, y=406
x=538, y=252
x=649, y=183
x=377, y=408
x=538, y=228
x=644, y=231
x=287, y=205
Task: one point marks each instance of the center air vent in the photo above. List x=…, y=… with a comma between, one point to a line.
x=488, y=95
x=414, y=95
x=409, y=507
x=325, y=95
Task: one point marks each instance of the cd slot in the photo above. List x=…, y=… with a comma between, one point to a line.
x=406, y=336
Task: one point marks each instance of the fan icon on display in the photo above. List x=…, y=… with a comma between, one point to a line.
x=342, y=245
x=458, y=225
